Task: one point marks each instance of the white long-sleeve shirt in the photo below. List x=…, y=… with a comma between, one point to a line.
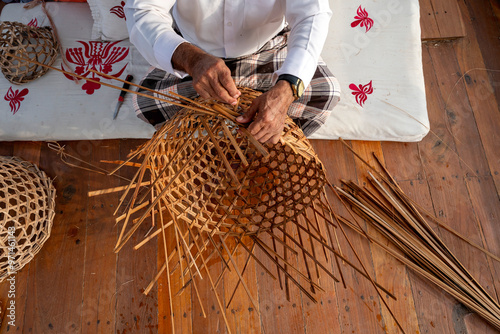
x=229, y=29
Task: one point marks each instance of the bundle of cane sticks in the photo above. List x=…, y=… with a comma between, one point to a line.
x=391, y=212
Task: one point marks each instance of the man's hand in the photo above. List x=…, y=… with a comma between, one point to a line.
x=271, y=109
x=211, y=77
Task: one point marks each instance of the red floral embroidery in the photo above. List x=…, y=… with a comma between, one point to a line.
x=97, y=56
x=15, y=98
x=362, y=19
x=33, y=22
x=118, y=10
x=361, y=92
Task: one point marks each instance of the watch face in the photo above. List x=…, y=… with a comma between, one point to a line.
x=300, y=88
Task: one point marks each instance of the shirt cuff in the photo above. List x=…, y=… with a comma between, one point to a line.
x=164, y=48
x=300, y=63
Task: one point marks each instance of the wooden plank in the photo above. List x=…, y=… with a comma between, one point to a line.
x=164, y=319
x=214, y=321
x=55, y=286
x=442, y=162
x=135, y=312
x=6, y=148
x=29, y=151
x=432, y=306
x=482, y=95
x=447, y=17
x=470, y=145
x=481, y=18
x=242, y=315
x=412, y=168
x=182, y=304
x=389, y=272
x=495, y=6
x=474, y=324
x=323, y=316
x=484, y=102
x=277, y=314
x=99, y=238
x=428, y=24
x=358, y=305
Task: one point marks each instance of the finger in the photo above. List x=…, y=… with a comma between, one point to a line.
x=204, y=88
x=267, y=135
x=274, y=139
x=256, y=127
x=228, y=83
x=259, y=132
x=204, y=92
x=266, y=138
x=249, y=114
x=221, y=92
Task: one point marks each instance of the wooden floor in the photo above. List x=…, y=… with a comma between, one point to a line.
x=77, y=284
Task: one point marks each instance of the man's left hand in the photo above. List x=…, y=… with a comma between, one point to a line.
x=270, y=110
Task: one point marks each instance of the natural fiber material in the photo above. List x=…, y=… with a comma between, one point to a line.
x=206, y=182
x=394, y=215
x=213, y=177
x=27, y=42
x=27, y=200
x=264, y=193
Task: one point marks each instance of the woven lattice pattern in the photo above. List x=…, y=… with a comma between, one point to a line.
x=27, y=200
x=26, y=42
x=211, y=191
x=267, y=191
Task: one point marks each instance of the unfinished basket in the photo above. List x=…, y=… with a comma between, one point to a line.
x=27, y=42
x=215, y=178
x=215, y=191
x=27, y=200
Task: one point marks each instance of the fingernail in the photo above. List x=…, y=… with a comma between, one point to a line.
x=234, y=103
x=239, y=118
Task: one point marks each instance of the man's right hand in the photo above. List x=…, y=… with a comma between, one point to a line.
x=211, y=77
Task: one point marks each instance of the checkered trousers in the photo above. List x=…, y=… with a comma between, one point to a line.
x=309, y=112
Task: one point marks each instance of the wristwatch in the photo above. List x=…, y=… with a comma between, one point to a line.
x=296, y=84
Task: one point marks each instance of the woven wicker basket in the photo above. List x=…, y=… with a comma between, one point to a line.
x=27, y=200
x=26, y=42
x=213, y=177
x=269, y=189
x=204, y=180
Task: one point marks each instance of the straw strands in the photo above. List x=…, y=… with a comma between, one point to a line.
x=392, y=213
x=204, y=182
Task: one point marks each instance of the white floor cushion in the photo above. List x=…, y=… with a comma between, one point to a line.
x=373, y=48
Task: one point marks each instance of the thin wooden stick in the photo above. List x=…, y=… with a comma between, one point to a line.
x=235, y=144
x=112, y=190
x=238, y=272
x=287, y=274
x=108, y=85
x=221, y=153
x=165, y=249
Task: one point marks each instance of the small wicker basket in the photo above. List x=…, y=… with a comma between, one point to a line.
x=27, y=201
x=29, y=43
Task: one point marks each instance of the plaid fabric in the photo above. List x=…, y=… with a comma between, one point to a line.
x=310, y=112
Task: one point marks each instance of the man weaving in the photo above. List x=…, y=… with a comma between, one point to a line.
x=209, y=47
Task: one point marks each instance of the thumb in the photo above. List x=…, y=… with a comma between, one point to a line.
x=248, y=115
